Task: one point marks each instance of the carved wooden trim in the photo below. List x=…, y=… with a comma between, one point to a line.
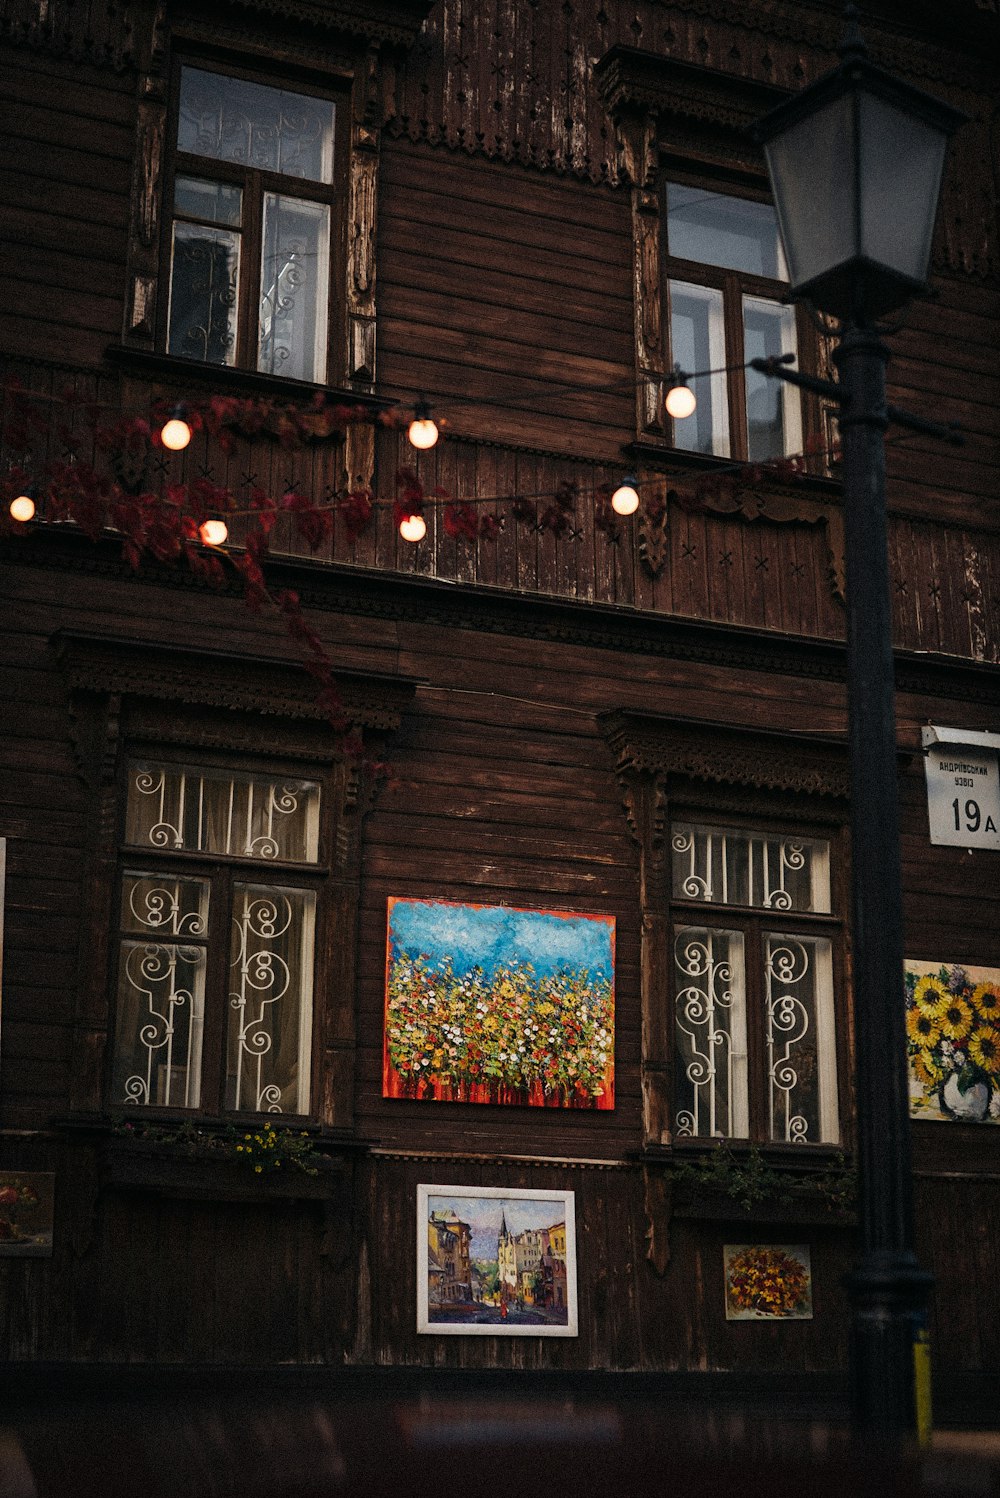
x=658, y=1189
x=386, y=22
x=633, y=81
x=664, y=747
x=783, y=508
x=122, y=692
x=362, y=216
x=273, y=688
x=655, y=754
x=143, y=250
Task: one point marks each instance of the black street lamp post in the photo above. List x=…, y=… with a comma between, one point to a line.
x=855, y=163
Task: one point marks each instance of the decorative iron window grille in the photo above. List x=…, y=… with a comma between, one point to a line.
x=754, y=1030
x=215, y=965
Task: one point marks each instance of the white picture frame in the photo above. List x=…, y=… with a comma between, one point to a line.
x=496, y=1262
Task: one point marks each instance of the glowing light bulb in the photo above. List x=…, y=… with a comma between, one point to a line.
x=423, y=432
x=413, y=528
x=625, y=500
x=214, y=532
x=680, y=402
x=23, y=507
x=175, y=434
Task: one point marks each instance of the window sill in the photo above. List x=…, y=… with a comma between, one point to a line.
x=655, y=454
x=189, y=375
x=803, y=1208
x=777, y=1186
x=166, y=1170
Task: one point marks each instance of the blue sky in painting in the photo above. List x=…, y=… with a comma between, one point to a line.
x=492, y=935
x=482, y=1213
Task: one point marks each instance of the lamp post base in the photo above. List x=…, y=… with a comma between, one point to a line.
x=890, y=1364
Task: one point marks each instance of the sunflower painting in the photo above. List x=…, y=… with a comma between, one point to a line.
x=489, y=1004
x=953, y=1042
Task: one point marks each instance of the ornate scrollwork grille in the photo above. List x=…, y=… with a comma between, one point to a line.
x=746, y=994
x=204, y=811
x=169, y=945
x=710, y=1028
x=270, y=999
x=732, y=866
x=800, y=1043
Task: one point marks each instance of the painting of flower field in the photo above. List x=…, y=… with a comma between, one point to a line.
x=768, y=1282
x=489, y=1004
x=953, y=1042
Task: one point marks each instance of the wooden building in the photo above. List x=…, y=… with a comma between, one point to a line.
x=525, y=214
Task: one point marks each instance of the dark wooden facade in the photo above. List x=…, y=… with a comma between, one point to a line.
x=545, y=700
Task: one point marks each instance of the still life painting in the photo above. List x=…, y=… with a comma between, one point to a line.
x=496, y=1262
x=953, y=1042
x=768, y=1282
x=26, y=1210
x=491, y=1004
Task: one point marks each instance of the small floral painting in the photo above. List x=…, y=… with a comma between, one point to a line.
x=489, y=1004
x=767, y=1282
x=26, y=1201
x=953, y=1042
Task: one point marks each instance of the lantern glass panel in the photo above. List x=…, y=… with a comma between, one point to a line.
x=900, y=174
x=811, y=169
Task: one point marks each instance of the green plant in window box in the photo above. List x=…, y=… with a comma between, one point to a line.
x=751, y=1182
x=262, y=1150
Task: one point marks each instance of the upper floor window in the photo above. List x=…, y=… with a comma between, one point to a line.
x=754, y=950
x=253, y=227
x=725, y=278
x=220, y=894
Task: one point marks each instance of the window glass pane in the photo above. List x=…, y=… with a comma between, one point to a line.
x=710, y=1034
x=272, y=129
x=294, y=282
x=733, y=866
x=698, y=342
x=270, y=1000
x=801, y=1052
x=204, y=283
x=161, y=903
x=774, y=411
x=158, y=1031
x=716, y=228
x=212, y=811
x=212, y=202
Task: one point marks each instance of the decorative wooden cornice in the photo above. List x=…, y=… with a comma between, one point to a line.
x=758, y=758
x=387, y=595
x=245, y=684
x=630, y=79
x=380, y=22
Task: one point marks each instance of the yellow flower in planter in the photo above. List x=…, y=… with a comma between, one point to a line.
x=930, y=994
x=955, y=1018
x=986, y=998
x=984, y=1049
x=923, y=1027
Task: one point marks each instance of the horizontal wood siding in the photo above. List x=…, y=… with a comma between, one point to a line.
x=66, y=145
x=507, y=299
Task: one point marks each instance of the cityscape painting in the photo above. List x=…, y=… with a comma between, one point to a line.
x=489, y=1004
x=496, y=1263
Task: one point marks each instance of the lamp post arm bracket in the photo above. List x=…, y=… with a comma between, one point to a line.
x=896, y=414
